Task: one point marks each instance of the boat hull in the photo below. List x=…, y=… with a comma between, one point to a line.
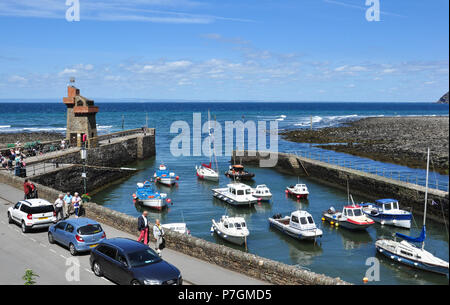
x=402, y=221
x=347, y=224
x=157, y=204
x=297, y=195
x=412, y=263
x=245, y=177
x=169, y=181
x=208, y=177
x=233, y=202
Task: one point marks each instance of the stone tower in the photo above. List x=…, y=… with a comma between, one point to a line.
x=80, y=118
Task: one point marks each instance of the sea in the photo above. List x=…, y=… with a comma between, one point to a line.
x=339, y=253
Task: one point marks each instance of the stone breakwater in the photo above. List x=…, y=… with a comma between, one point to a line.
x=361, y=183
x=399, y=140
x=239, y=261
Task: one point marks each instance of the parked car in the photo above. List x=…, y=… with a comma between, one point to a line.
x=78, y=234
x=126, y=261
x=32, y=214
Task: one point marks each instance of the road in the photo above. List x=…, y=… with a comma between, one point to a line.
x=55, y=265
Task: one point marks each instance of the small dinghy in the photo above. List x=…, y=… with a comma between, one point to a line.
x=177, y=227
x=387, y=212
x=163, y=176
x=146, y=196
x=232, y=229
x=351, y=217
x=237, y=194
x=262, y=192
x=237, y=172
x=299, y=191
x=205, y=172
x=300, y=225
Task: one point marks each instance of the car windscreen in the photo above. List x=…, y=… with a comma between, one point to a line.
x=38, y=209
x=143, y=258
x=90, y=229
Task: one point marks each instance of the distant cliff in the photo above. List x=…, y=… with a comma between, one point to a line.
x=443, y=99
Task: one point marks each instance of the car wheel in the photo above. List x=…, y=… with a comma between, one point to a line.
x=10, y=220
x=72, y=250
x=135, y=282
x=50, y=238
x=97, y=269
x=24, y=227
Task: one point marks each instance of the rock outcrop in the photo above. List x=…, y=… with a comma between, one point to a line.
x=443, y=99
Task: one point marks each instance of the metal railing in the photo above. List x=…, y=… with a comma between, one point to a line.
x=413, y=178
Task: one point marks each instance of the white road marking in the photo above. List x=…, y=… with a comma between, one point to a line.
x=88, y=270
x=32, y=239
x=52, y=251
x=43, y=245
x=63, y=256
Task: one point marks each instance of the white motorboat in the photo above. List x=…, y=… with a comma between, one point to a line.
x=147, y=196
x=299, y=191
x=237, y=194
x=177, y=227
x=262, y=192
x=232, y=229
x=405, y=252
x=300, y=225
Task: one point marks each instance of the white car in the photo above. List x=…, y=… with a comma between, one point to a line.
x=32, y=214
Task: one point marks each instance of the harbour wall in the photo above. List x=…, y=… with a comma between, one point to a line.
x=252, y=265
x=360, y=183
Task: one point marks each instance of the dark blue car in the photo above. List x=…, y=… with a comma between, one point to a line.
x=128, y=262
x=78, y=234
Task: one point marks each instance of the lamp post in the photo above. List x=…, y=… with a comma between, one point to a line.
x=83, y=159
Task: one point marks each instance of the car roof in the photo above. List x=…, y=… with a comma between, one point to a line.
x=79, y=222
x=125, y=244
x=36, y=202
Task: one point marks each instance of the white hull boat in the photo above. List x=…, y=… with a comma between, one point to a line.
x=262, y=192
x=299, y=191
x=237, y=194
x=300, y=225
x=232, y=229
x=207, y=173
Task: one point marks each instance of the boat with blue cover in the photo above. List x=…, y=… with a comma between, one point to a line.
x=387, y=212
x=164, y=176
x=406, y=252
x=147, y=196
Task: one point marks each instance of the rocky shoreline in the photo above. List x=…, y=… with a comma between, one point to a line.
x=399, y=140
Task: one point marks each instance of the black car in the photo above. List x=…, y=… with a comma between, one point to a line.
x=128, y=262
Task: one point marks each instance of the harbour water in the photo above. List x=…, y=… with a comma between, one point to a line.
x=339, y=253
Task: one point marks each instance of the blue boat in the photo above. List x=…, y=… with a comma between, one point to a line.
x=387, y=212
x=164, y=176
x=146, y=195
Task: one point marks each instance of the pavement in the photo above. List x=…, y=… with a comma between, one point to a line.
x=55, y=265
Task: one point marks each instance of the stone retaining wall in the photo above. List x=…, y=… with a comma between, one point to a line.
x=361, y=183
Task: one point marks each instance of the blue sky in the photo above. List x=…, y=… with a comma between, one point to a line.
x=271, y=50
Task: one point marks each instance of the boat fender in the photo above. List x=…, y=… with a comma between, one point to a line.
x=177, y=177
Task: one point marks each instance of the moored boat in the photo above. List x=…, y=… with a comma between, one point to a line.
x=237, y=172
x=237, y=194
x=262, y=192
x=146, y=196
x=299, y=225
x=205, y=172
x=299, y=191
x=164, y=176
x=232, y=229
x=387, y=212
x=351, y=217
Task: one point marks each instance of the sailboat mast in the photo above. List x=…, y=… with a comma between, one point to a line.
x=426, y=194
x=209, y=133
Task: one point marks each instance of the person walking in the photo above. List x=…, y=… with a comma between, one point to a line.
x=76, y=201
x=67, y=203
x=59, y=203
x=143, y=228
x=158, y=234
